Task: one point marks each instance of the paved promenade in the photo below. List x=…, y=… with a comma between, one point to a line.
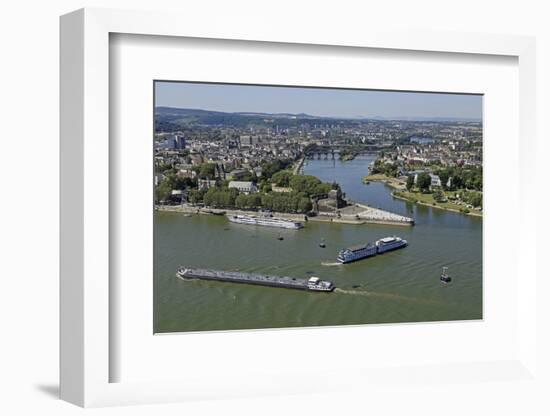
x=374, y=214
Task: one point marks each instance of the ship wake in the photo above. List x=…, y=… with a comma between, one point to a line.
x=384, y=295
x=352, y=292
x=330, y=264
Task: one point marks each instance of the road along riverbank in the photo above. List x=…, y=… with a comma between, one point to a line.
x=299, y=165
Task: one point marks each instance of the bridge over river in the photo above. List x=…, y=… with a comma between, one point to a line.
x=333, y=151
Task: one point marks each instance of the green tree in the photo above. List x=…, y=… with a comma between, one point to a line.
x=423, y=181
x=183, y=183
x=196, y=196
x=163, y=191
x=476, y=200
x=457, y=182
x=267, y=200
x=444, y=176
x=307, y=184
x=439, y=196
x=322, y=188
x=206, y=170
x=282, y=178
x=265, y=187
x=252, y=201
x=410, y=182
x=220, y=197
x=240, y=201
x=270, y=168
x=304, y=205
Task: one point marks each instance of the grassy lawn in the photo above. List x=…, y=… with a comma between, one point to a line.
x=427, y=199
x=376, y=177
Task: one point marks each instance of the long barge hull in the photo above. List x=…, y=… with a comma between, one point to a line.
x=255, y=279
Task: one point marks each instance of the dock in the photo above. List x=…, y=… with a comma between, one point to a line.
x=312, y=284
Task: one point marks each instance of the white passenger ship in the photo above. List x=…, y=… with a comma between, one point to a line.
x=363, y=251
x=265, y=221
x=354, y=253
x=389, y=243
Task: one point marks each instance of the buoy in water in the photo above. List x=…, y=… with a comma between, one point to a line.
x=445, y=278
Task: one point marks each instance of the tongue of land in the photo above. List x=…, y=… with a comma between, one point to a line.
x=360, y=214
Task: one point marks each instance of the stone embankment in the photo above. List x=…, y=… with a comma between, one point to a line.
x=363, y=214
x=351, y=214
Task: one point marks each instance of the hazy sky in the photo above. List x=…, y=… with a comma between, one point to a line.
x=316, y=101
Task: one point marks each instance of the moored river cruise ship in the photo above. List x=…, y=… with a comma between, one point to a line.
x=265, y=221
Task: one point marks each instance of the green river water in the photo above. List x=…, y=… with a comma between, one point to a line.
x=400, y=286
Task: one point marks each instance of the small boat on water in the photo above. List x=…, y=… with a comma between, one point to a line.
x=212, y=212
x=322, y=244
x=445, y=278
x=280, y=237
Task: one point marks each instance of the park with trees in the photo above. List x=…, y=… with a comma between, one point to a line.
x=298, y=198
x=451, y=195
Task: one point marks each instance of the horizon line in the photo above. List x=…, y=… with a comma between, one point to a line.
x=378, y=118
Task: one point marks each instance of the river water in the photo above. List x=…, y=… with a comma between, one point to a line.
x=400, y=286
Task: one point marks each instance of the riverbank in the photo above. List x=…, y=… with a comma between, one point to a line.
x=351, y=214
x=415, y=198
x=192, y=209
x=400, y=192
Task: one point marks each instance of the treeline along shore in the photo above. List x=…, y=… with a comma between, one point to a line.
x=277, y=188
x=457, y=188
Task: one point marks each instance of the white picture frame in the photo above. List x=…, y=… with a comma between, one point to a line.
x=85, y=211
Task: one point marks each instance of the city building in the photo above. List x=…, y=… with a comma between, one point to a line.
x=436, y=181
x=246, y=187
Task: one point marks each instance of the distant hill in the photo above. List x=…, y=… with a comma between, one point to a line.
x=171, y=118
x=427, y=119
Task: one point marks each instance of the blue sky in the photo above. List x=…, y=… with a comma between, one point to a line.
x=317, y=101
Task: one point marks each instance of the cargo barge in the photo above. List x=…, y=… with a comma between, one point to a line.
x=313, y=283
